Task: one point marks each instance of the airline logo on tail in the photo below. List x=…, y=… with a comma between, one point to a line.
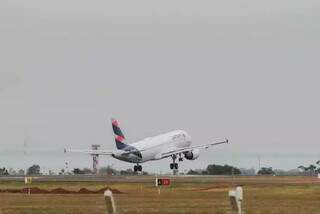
x=119, y=137
x=120, y=140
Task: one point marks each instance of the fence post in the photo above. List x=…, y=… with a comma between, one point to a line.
x=236, y=197
x=27, y=181
x=111, y=207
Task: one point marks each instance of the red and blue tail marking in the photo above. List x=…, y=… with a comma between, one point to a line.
x=120, y=140
x=119, y=137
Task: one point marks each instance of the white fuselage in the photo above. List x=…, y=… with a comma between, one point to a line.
x=153, y=148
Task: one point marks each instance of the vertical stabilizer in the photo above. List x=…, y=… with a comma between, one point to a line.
x=118, y=135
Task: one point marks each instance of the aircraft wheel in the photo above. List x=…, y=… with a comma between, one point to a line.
x=176, y=166
x=171, y=165
x=135, y=168
x=140, y=168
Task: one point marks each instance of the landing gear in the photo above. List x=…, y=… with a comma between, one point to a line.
x=137, y=168
x=174, y=165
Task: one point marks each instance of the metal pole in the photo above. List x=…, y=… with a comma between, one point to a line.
x=95, y=159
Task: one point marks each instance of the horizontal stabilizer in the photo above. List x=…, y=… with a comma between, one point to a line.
x=90, y=152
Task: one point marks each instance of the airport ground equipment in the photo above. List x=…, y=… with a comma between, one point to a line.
x=236, y=197
x=111, y=206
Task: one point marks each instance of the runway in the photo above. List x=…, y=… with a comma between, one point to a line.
x=241, y=180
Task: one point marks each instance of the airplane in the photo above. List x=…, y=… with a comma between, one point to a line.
x=174, y=144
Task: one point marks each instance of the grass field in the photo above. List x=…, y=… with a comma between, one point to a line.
x=262, y=195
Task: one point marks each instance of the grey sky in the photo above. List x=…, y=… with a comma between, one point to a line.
x=247, y=70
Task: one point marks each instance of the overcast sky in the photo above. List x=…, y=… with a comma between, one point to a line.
x=247, y=70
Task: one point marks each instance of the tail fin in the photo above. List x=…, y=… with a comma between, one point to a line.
x=119, y=137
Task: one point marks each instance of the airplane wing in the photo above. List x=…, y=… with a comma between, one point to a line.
x=90, y=152
x=187, y=149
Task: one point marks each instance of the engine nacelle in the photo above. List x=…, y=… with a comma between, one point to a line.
x=192, y=155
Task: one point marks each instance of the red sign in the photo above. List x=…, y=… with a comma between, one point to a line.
x=163, y=181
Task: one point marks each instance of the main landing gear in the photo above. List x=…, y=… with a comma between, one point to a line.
x=137, y=168
x=174, y=165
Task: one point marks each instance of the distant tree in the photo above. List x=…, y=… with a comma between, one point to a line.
x=61, y=172
x=214, y=169
x=266, y=171
x=312, y=169
x=103, y=170
x=83, y=171
x=293, y=172
x=204, y=172
x=302, y=168
x=279, y=172
x=4, y=171
x=12, y=172
x=33, y=170
x=192, y=172
x=87, y=171
x=248, y=171
x=127, y=172
x=77, y=171
x=123, y=172
x=109, y=170
x=21, y=172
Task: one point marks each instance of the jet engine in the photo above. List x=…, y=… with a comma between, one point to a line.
x=192, y=155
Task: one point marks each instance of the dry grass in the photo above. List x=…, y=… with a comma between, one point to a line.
x=206, y=197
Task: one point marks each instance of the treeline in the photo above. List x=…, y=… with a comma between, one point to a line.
x=34, y=169
x=105, y=171
x=214, y=169
x=211, y=169
x=311, y=169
